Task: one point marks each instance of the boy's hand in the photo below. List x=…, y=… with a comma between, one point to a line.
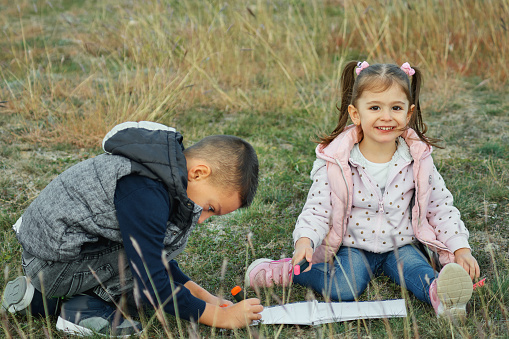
x=239, y=315
x=243, y=313
x=303, y=250
x=463, y=257
x=219, y=301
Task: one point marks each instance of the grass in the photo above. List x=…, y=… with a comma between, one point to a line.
x=266, y=71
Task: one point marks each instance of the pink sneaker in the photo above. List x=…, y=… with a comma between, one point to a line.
x=267, y=272
x=450, y=292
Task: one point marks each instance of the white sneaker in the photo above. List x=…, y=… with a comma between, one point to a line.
x=451, y=291
x=84, y=315
x=18, y=295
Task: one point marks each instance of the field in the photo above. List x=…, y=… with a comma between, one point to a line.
x=266, y=71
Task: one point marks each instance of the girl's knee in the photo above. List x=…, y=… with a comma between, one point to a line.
x=346, y=290
x=343, y=295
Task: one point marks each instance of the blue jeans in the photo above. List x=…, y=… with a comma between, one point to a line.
x=111, y=278
x=353, y=269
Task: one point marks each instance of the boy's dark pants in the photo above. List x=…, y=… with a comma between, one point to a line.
x=102, y=269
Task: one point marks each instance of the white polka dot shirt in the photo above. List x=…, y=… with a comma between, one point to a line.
x=380, y=220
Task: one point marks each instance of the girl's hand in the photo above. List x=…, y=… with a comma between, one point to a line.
x=238, y=315
x=463, y=257
x=303, y=250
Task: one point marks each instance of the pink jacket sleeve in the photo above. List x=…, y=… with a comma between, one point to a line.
x=444, y=217
x=313, y=222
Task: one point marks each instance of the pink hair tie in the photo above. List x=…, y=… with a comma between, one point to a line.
x=361, y=66
x=407, y=69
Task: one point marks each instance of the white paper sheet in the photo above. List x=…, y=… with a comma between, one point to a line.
x=315, y=313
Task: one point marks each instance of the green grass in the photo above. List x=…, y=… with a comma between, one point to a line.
x=72, y=70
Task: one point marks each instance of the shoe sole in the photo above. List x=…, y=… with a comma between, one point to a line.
x=454, y=289
x=18, y=295
x=255, y=263
x=80, y=331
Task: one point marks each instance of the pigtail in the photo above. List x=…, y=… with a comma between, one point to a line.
x=347, y=82
x=416, y=122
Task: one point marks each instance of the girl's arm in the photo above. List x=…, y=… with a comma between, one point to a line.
x=464, y=257
x=303, y=249
x=313, y=223
x=444, y=217
x=449, y=228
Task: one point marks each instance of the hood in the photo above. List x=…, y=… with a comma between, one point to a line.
x=156, y=152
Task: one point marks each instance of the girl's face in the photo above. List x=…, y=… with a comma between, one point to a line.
x=382, y=115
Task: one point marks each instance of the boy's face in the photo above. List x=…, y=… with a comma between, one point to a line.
x=213, y=199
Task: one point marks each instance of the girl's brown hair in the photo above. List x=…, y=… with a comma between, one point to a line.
x=378, y=78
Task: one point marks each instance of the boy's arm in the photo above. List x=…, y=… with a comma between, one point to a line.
x=143, y=207
x=201, y=293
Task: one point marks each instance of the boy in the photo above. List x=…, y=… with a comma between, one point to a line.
x=139, y=201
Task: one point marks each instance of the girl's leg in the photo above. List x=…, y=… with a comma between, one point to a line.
x=411, y=264
x=344, y=281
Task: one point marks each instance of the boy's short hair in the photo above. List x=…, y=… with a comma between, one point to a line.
x=233, y=162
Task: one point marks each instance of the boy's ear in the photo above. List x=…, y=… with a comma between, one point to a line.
x=354, y=115
x=198, y=172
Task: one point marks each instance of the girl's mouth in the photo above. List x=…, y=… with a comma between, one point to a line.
x=385, y=128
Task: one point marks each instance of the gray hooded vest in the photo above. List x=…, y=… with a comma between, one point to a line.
x=78, y=207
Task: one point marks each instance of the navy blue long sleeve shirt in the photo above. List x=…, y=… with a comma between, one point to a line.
x=143, y=208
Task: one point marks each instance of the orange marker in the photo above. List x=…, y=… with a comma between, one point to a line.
x=238, y=294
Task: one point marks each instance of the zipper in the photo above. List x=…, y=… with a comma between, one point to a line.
x=347, y=195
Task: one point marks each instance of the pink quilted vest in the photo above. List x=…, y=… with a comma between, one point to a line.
x=337, y=154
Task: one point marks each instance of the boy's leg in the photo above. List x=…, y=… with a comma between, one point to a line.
x=101, y=274
x=20, y=293
x=86, y=315
x=345, y=280
x=411, y=264
x=98, y=271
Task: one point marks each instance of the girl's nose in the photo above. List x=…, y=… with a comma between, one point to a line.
x=386, y=114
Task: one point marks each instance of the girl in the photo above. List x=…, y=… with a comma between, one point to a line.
x=375, y=196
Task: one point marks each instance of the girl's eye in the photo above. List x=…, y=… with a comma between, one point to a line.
x=211, y=209
x=374, y=108
x=397, y=108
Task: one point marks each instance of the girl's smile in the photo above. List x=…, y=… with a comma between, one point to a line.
x=382, y=116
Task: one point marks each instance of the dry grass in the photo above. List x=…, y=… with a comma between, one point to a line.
x=267, y=71
x=74, y=71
